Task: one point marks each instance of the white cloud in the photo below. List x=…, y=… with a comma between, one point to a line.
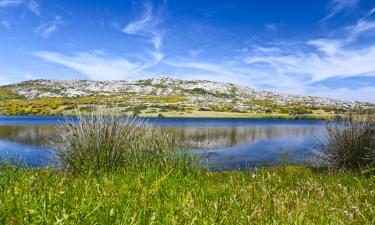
x=224, y=72
x=195, y=53
x=213, y=69
x=363, y=26
x=29, y=76
x=96, y=66
x=34, y=7
x=146, y=26
x=9, y=3
x=216, y=69
x=5, y=24
x=156, y=58
x=337, y=6
x=31, y=5
x=266, y=49
x=337, y=61
x=3, y=80
x=366, y=94
x=46, y=29
x=328, y=58
x=327, y=46
x=271, y=27
x=115, y=24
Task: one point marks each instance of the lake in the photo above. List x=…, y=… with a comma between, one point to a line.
x=222, y=144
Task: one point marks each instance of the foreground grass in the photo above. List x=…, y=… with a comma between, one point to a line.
x=287, y=195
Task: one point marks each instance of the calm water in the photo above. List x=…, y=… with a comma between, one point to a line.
x=221, y=143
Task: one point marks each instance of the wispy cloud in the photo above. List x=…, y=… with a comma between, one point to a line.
x=298, y=65
x=195, y=53
x=220, y=71
x=208, y=67
x=47, y=28
x=30, y=76
x=327, y=46
x=9, y=3
x=34, y=7
x=319, y=59
x=3, y=80
x=6, y=24
x=146, y=26
x=31, y=5
x=335, y=62
x=153, y=58
x=338, y=6
x=361, y=94
x=363, y=26
x=98, y=65
x=95, y=65
x=271, y=27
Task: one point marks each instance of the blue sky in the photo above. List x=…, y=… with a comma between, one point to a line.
x=320, y=48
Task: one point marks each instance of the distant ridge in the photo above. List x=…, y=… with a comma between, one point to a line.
x=181, y=94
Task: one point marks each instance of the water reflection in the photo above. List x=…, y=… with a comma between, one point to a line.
x=194, y=137
x=204, y=138
x=278, y=150
x=222, y=144
x=28, y=135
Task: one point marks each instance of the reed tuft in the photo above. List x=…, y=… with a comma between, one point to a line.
x=107, y=141
x=350, y=141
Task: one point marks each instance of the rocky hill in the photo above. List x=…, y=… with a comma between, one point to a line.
x=160, y=94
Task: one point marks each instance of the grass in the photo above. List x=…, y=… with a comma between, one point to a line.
x=285, y=195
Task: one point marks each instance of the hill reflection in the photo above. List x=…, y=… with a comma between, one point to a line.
x=194, y=137
x=235, y=136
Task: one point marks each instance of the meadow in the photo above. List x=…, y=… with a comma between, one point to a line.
x=285, y=195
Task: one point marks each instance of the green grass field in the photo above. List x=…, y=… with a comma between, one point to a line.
x=284, y=195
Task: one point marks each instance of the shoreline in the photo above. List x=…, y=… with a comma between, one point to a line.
x=231, y=115
x=208, y=115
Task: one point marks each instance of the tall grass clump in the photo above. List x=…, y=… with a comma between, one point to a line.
x=350, y=141
x=106, y=141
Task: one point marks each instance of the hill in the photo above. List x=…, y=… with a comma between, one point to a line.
x=159, y=95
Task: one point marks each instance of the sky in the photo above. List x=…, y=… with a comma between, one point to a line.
x=319, y=48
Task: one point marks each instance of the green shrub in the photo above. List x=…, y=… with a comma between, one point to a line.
x=138, y=109
x=106, y=141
